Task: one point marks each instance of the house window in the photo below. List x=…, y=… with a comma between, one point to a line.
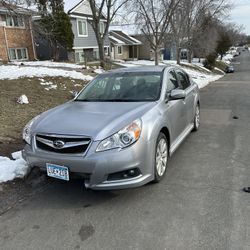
x=82, y=28
x=15, y=21
x=106, y=51
x=102, y=27
x=79, y=57
x=18, y=54
x=119, y=48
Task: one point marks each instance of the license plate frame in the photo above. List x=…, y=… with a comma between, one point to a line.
x=57, y=171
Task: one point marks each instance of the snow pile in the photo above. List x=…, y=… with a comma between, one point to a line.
x=49, y=64
x=23, y=99
x=227, y=58
x=222, y=72
x=202, y=79
x=15, y=72
x=99, y=71
x=11, y=169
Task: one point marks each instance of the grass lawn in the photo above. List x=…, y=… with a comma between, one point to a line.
x=14, y=116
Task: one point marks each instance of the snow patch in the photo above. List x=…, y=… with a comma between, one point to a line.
x=43, y=83
x=23, y=99
x=49, y=64
x=99, y=71
x=54, y=86
x=16, y=72
x=12, y=169
x=227, y=58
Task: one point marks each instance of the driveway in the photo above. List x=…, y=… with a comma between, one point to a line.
x=198, y=205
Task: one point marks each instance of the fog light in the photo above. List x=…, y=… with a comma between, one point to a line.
x=123, y=175
x=131, y=172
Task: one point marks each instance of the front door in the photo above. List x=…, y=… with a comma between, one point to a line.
x=175, y=109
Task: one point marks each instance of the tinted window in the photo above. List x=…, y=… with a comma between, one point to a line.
x=184, y=80
x=123, y=87
x=172, y=81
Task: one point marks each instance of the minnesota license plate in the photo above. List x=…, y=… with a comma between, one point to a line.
x=59, y=172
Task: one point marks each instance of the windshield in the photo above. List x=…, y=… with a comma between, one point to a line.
x=123, y=87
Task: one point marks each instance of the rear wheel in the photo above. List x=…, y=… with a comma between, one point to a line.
x=197, y=118
x=161, y=157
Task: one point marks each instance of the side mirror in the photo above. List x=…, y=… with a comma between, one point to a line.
x=177, y=94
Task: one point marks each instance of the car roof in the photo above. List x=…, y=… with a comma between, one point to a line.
x=140, y=69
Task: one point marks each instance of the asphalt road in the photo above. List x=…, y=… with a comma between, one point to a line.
x=198, y=205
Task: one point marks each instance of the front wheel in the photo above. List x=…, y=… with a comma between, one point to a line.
x=161, y=157
x=197, y=118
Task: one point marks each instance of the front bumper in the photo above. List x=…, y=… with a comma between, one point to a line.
x=96, y=167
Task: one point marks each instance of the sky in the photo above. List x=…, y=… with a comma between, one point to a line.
x=69, y=4
x=240, y=13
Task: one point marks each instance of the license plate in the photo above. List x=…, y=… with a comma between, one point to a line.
x=59, y=172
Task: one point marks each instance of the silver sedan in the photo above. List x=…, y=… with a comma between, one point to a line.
x=119, y=131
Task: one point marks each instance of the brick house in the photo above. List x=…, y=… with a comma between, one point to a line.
x=16, y=38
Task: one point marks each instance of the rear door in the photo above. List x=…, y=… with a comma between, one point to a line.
x=189, y=88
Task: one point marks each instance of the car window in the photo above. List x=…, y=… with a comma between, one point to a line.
x=183, y=79
x=172, y=82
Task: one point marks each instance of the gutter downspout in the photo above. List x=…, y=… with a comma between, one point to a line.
x=6, y=42
x=32, y=39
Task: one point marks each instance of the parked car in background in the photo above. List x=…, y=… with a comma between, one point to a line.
x=119, y=131
x=229, y=69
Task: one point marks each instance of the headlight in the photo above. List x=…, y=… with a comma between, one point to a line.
x=123, y=138
x=27, y=130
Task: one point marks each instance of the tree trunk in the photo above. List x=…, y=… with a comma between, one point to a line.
x=57, y=52
x=156, y=56
x=178, y=55
x=101, y=52
x=190, y=53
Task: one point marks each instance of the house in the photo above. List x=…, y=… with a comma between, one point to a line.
x=145, y=52
x=85, y=44
x=16, y=38
x=123, y=46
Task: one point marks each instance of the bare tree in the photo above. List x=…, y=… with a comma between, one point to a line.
x=196, y=11
x=206, y=37
x=9, y=3
x=178, y=28
x=108, y=10
x=189, y=21
x=153, y=18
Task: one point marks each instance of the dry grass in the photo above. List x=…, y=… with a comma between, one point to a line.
x=14, y=116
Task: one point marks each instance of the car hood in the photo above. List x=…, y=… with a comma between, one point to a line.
x=97, y=120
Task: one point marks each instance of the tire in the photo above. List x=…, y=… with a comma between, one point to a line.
x=197, y=118
x=161, y=157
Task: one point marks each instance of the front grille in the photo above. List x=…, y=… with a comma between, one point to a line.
x=62, y=144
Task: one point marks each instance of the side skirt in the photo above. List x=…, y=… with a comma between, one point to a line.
x=180, y=138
